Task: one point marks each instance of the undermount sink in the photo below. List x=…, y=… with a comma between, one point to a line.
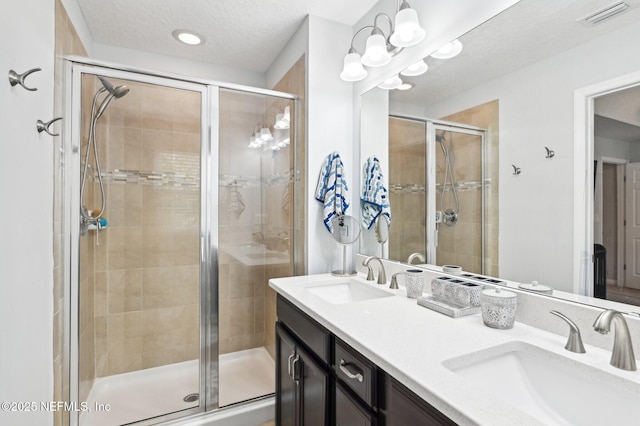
x=346, y=291
x=552, y=388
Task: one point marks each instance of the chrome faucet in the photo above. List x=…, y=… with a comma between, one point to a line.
x=382, y=276
x=574, y=343
x=418, y=256
x=622, y=354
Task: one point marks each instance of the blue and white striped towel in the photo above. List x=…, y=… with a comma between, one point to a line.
x=332, y=190
x=375, y=199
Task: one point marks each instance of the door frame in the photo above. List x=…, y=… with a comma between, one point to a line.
x=583, y=157
x=619, y=164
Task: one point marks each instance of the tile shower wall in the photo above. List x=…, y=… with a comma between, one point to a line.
x=286, y=218
x=486, y=116
x=264, y=181
x=407, y=157
x=146, y=295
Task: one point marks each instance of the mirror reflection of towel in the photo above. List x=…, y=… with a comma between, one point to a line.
x=374, y=197
x=332, y=190
x=235, y=204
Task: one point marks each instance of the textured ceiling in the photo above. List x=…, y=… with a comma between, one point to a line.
x=246, y=34
x=526, y=33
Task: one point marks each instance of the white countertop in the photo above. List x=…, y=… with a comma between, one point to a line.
x=410, y=343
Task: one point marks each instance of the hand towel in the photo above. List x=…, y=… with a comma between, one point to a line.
x=235, y=202
x=332, y=190
x=374, y=197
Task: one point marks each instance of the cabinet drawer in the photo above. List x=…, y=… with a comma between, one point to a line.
x=350, y=412
x=356, y=372
x=312, y=334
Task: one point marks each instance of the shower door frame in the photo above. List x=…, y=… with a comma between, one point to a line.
x=74, y=68
x=207, y=235
x=431, y=125
x=431, y=227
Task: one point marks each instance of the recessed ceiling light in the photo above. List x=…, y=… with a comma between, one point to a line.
x=405, y=86
x=188, y=37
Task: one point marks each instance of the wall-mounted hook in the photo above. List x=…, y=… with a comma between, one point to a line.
x=550, y=153
x=15, y=78
x=516, y=170
x=44, y=127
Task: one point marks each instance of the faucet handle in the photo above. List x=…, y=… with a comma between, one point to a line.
x=574, y=343
x=370, y=276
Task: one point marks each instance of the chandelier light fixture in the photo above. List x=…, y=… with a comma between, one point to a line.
x=404, y=31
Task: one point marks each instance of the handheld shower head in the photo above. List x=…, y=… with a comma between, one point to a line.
x=114, y=92
x=118, y=91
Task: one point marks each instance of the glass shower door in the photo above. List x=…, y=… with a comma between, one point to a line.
x=458, y=196
x=139, y=285
x=255, y=211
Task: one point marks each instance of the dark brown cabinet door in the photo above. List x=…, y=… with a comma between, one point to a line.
x=349, y=412
x=286, y=389
x=302, y=384
x=402, y=407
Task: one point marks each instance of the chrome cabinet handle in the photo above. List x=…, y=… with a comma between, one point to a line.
x=289, y=362
x=357, y=376
x=294, y=370
x=15, y=78
x=44, y=127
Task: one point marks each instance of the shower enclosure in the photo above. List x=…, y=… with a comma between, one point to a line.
x=179, y=207
x=437, y=186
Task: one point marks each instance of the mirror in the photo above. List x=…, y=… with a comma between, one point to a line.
x=516, y=78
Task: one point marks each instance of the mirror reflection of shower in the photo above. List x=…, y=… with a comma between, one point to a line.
x=93, y=219
x=449, y=214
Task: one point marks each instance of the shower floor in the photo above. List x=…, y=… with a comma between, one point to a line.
x=143, y=394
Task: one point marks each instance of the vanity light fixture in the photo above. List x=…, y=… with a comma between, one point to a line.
x=448, y=51
x=188, y=37
x=379, y=49
x=265, y=135
x=418, y=68
x=391, y=83
x=405, y=86
x=283, y=120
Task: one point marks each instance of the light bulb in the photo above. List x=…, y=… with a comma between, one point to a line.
x=353, y=69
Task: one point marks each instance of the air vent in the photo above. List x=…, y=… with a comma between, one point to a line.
x=604, y=13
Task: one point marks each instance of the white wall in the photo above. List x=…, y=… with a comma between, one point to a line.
x=26, y=216
x=536, y=110
x=329, y=128
x=156, y=62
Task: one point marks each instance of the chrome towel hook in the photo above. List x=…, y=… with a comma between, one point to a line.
x=516, y=170
x=550, y=153
x=44, y=127
x=15, y=78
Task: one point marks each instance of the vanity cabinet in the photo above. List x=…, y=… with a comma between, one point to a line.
x=302, y=384
x=321, y=380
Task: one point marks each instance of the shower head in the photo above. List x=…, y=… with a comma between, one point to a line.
x=440, y=137
x=118, y=91
x=114, y=92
